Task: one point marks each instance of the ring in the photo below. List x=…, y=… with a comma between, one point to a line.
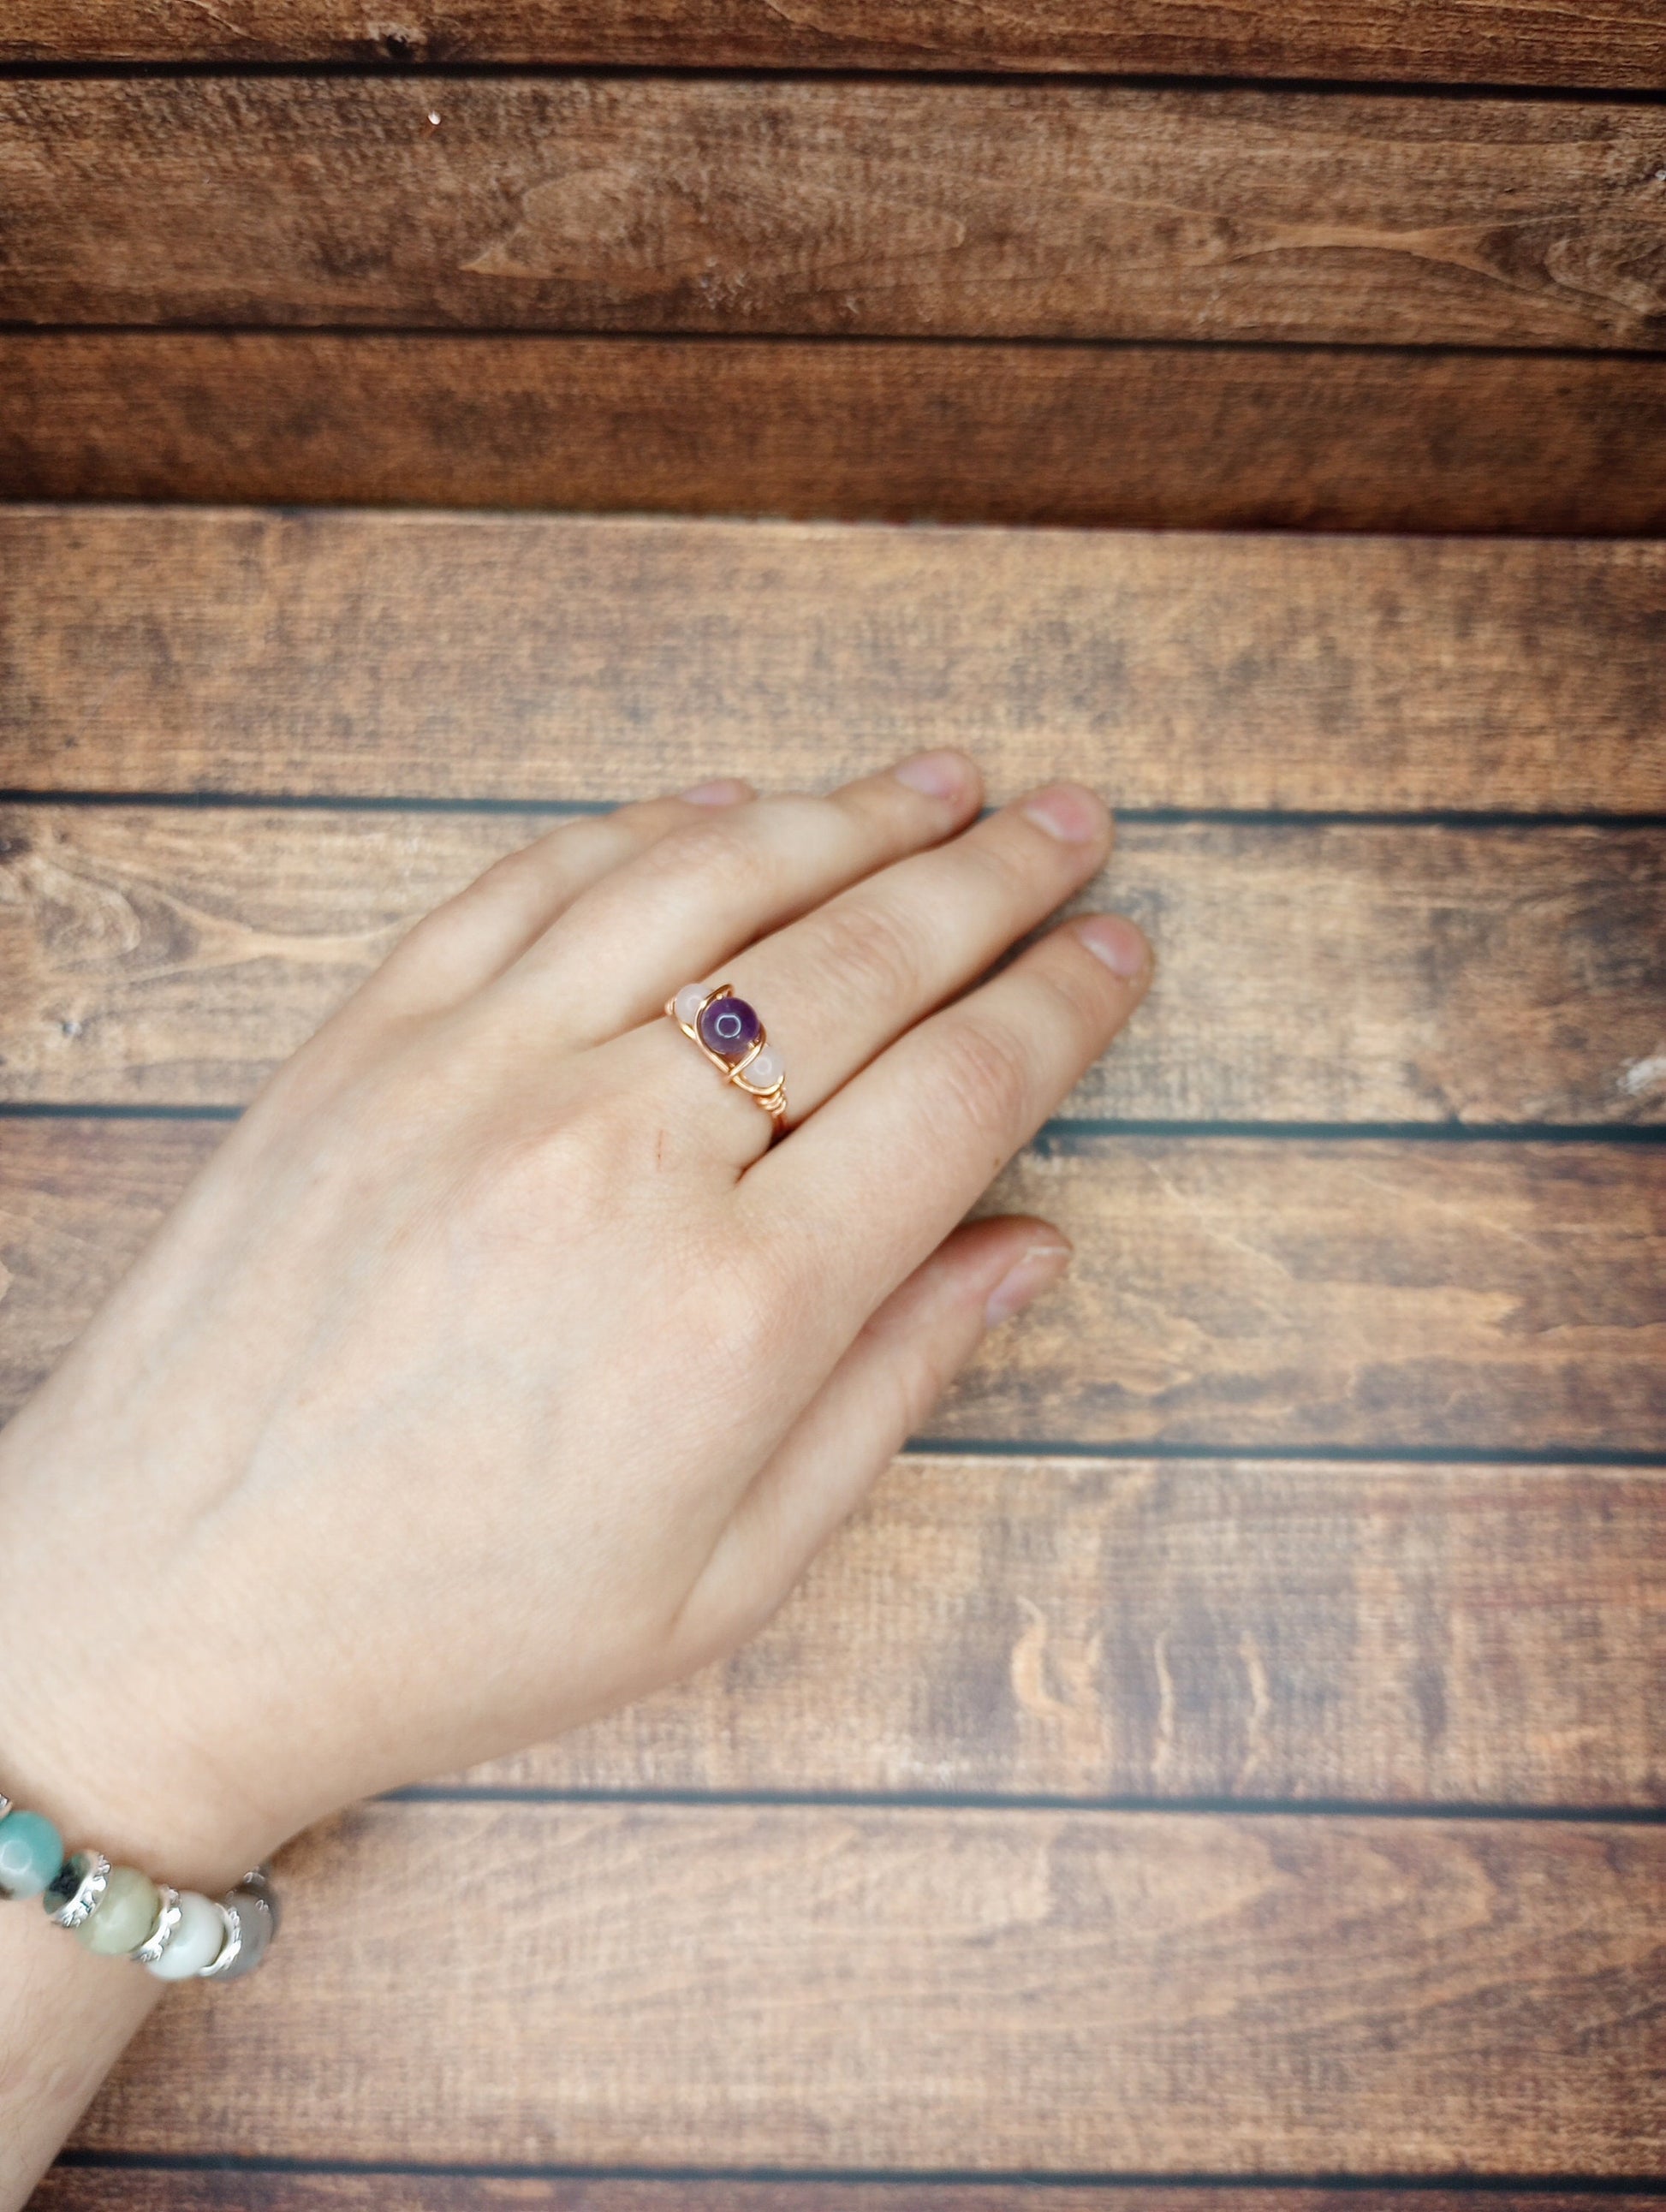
x=729, y=1031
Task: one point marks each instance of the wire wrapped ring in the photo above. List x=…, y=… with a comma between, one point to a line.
x=729, y=1031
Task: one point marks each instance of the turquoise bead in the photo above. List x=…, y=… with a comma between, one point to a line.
x=31, y=1853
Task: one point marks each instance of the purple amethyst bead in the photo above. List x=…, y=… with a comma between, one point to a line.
x=730, y=1027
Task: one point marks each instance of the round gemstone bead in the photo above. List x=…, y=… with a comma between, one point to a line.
x=764, y=1070
x=196, y=1942
x=123, y=1917
x=686, y=1004
x=730, y=1027
x=31, y=1854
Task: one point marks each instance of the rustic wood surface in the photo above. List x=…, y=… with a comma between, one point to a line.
x=834, y=206
x=76, y=2188
x=542, y=658
x=1202, y=438
x=1233, y=1292
x=1496, y=41
x=1183, y=1629
x=846, y=1985
x=1312, y=972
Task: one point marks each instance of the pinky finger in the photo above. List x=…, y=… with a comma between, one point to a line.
x=876, y=1398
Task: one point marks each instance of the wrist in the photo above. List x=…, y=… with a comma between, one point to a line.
x=97, y=1735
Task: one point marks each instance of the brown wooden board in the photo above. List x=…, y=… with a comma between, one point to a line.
x=75, y=2188
x=513, y=657
x=1149, y=437
x=1496, y=42
x=834, y=206
x=830, y=1986
x=1311, y=972
x=1234, y=1291
x=1186, y=1629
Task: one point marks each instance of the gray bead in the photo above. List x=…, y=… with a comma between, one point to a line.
x=248, y=1937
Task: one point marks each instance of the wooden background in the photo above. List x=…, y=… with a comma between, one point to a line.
x=1224, y=1764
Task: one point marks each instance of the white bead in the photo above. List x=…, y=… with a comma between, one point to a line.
x=686, y=1004
x=764, y=1070
x=197, y=1940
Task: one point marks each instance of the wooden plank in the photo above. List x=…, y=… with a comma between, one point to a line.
x=834, y=206
x=74, y=2188
x=1311, y=972
x=1022, y=1991
x=547, y=658
x=1464, y=42
x=1148, y=437
x=1245, y=1292
x=1173, y=1629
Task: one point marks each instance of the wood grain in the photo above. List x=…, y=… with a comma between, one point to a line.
x=1465, y=41
x=559, y=659
x=75, y=2188
x=1172, y=1629
x=1311, y=972
x=1149, y=437
x=1028, y=1991
x=1241, y=1293
x=833, y=206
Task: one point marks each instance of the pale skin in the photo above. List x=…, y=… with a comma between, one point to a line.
x=497, y=1370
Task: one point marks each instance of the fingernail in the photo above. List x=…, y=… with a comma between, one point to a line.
x=1115, y=941
x=1040, y=1266
x=939, y=775
x=726, y=791
x=1067, y=812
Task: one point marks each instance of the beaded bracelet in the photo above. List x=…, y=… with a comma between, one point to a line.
x=120, y=1913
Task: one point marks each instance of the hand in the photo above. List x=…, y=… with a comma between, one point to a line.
x=496, y=1370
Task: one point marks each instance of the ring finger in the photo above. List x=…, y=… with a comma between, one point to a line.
x=836, y=987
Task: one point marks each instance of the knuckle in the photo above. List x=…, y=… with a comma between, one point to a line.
x=715, y=847
x=1007, y=867
x=988, y=1072
x=872, y=944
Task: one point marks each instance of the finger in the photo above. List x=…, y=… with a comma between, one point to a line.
x=880, y=1394
x=463, y=945
x=701, y=894
x=904, y=1149
x=837, y=985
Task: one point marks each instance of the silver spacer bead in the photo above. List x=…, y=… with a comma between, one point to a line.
x=250, y=1925
x=92, y=1871
x=226, y=1958
x=162, y=1933
x=5, y=1805
x=258, y=1882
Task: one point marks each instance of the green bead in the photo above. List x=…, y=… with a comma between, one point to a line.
x=123, y=1917
x=31, y=1853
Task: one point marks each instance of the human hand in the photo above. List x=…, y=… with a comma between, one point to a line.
x=495, y=1370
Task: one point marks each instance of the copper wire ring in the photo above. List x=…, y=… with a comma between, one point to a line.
x=772, y=1096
